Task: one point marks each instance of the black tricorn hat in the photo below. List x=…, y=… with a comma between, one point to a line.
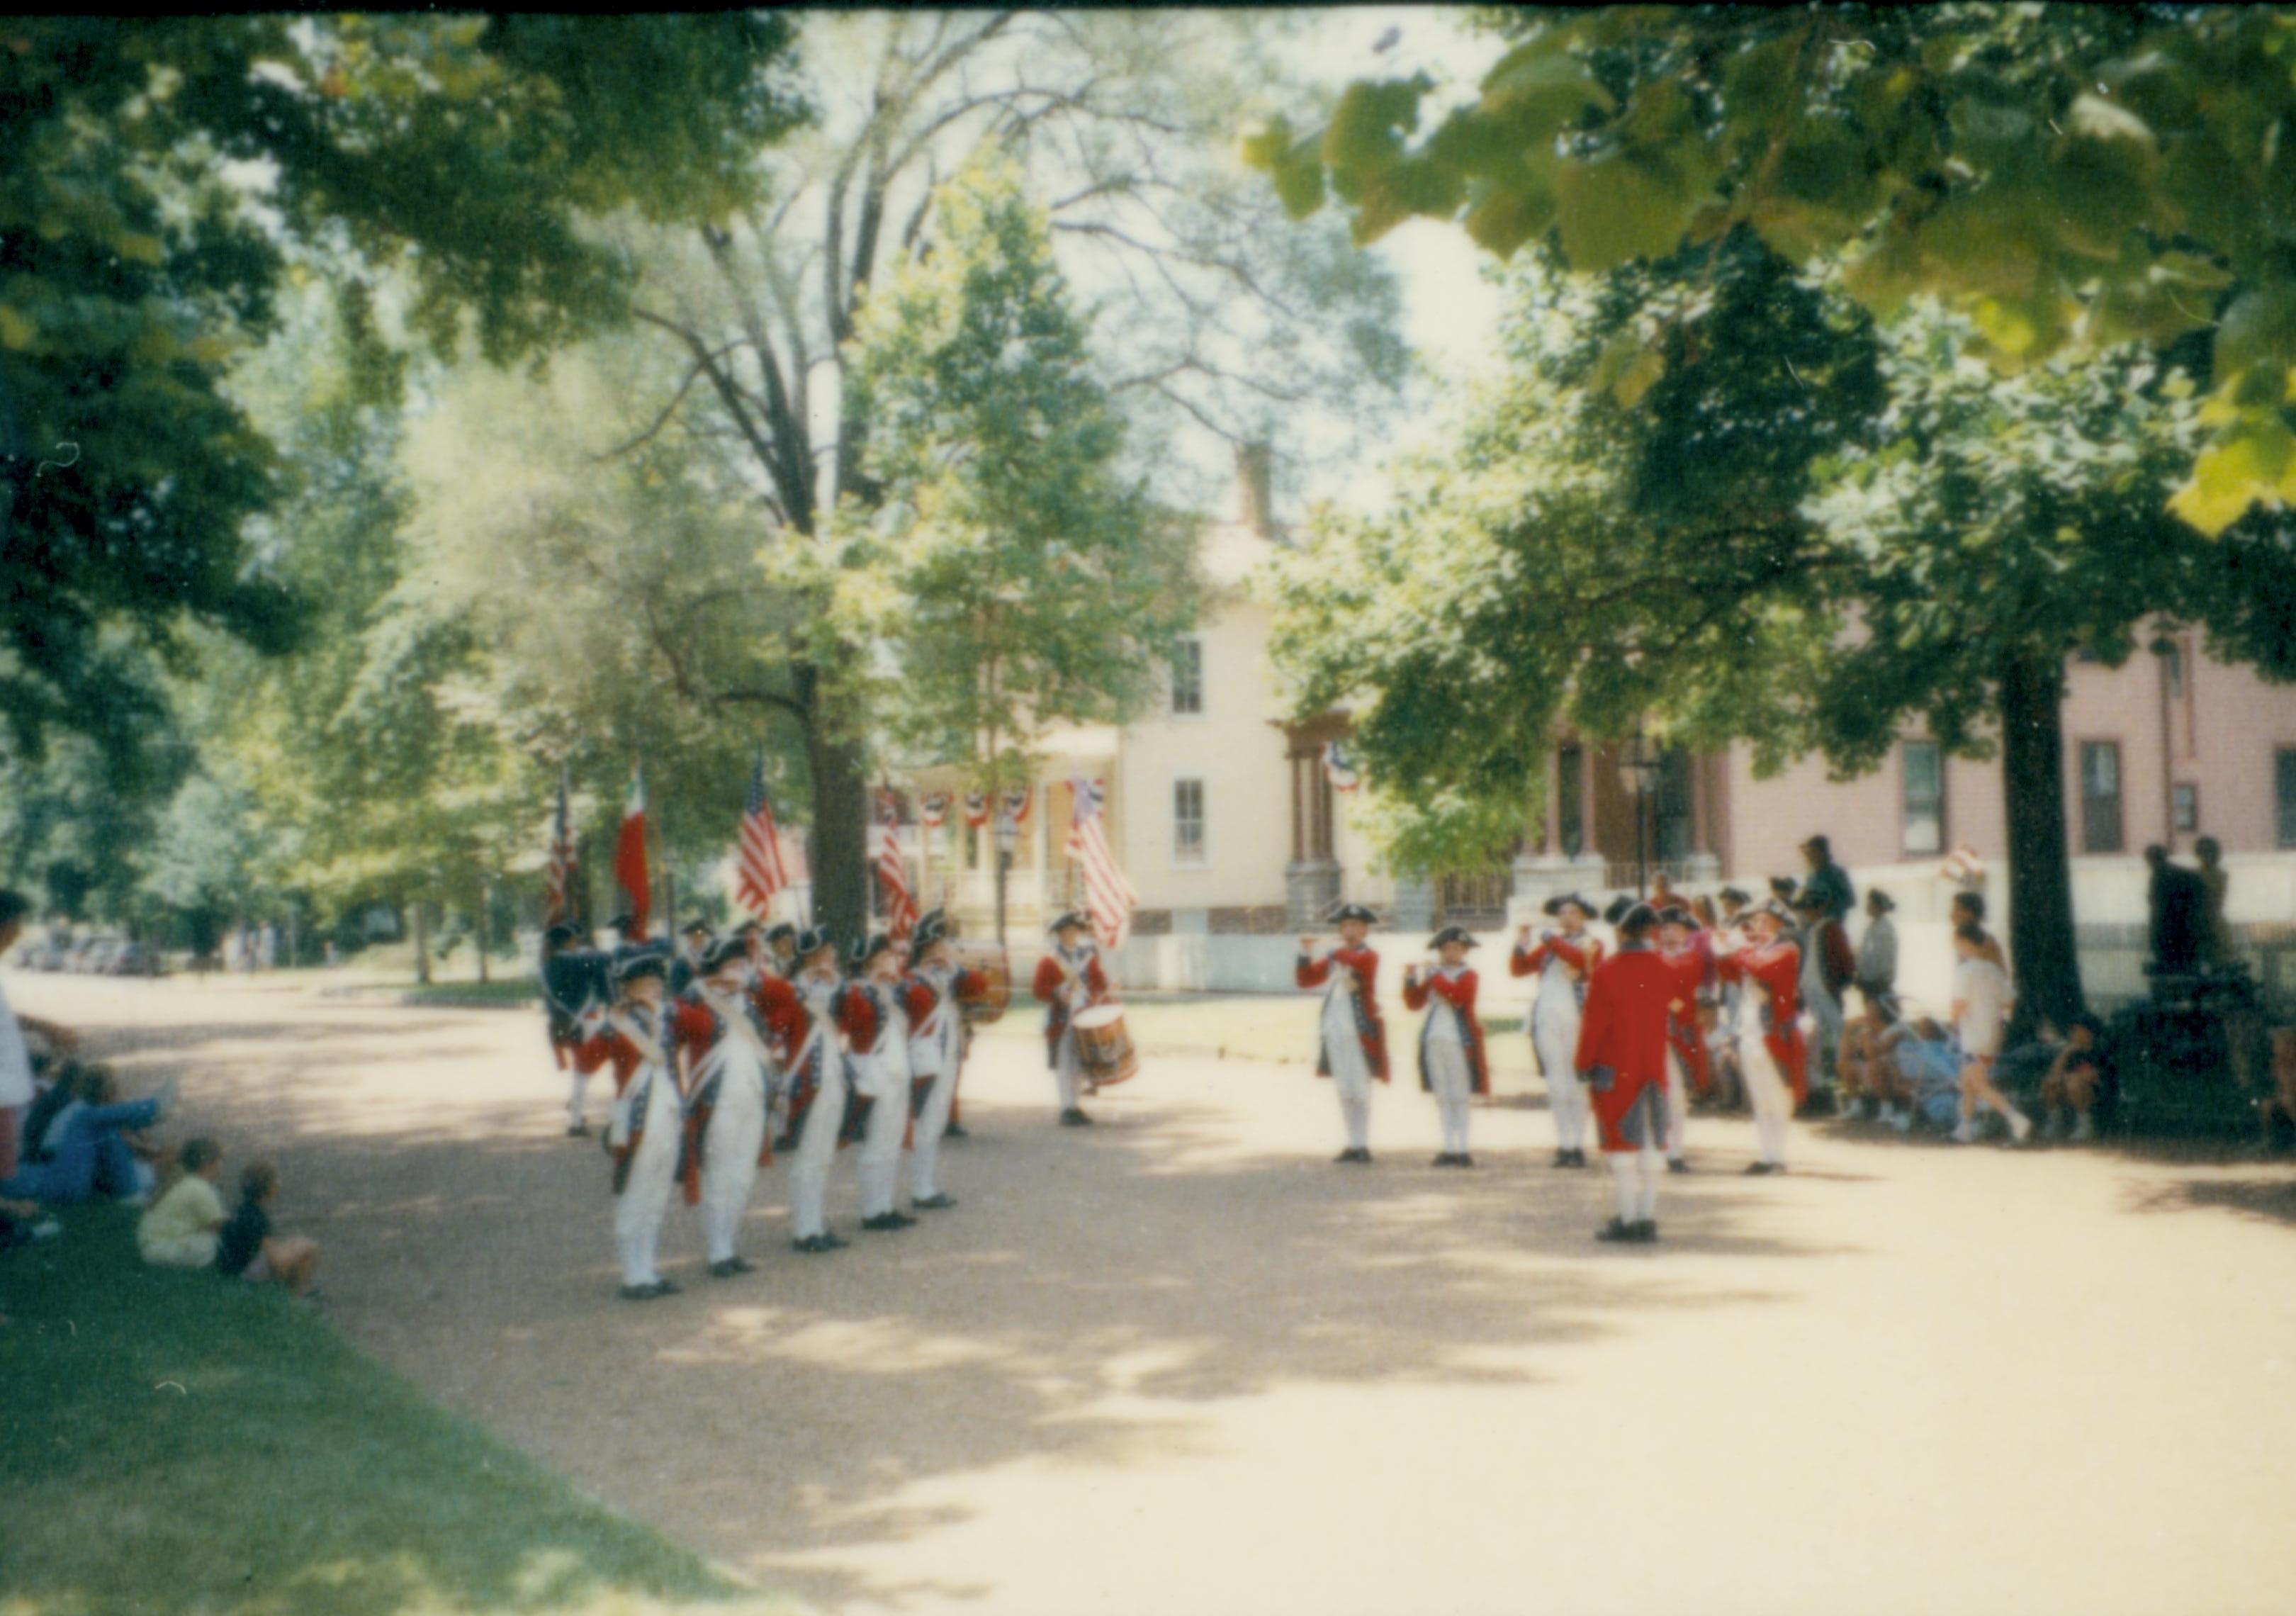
x=1616, y=912
x=867, y=948
x=1072, y=918
x=1675, y=915
x=1638, y=916
x=1553, y=905
x=1734, y=895
x=774, y=934
x=624, y=922
x=813, y=940
x=715, y=957
x=1347, y=911
x=562, y=932
x=696, y=924
x=633, y=966
x=1452, y=934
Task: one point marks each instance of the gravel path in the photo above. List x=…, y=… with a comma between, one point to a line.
x=1180, y=1363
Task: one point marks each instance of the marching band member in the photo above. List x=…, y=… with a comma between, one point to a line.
x=933, y=994
x=1622, y=1048
x=1563, y=961
x=685, y=966
x=1451, y=1063
x=1069, y=979
x=801, y=1014
x=647, y=1135
x=1688, y=964
x=574, y=980
x=1354, y=1039
x=728, y=1072
x=876, y=1028
x=1769, y=966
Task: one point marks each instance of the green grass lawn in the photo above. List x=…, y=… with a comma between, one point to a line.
x=179, y=1443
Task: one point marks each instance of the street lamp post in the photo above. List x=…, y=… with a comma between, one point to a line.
x=1008, y=837
x=1639, y=769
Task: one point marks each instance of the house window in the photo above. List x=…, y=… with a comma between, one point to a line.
x=2185, y=799
x=1570, y=800
x=1188, y=677
x=2099, y=793
x=1187, y=822
x=1924, y=797
x=2283, y=787
x=2174, y=666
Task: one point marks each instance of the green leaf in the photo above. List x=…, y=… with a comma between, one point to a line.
x=1614, y=209
x=17, y=330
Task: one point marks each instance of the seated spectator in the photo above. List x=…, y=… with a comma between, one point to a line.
x=1928, y=1075
x=182, y=1228
x=248, y=1250
x=2069, y=1090
x=88, y=1145
x=1869, y=1070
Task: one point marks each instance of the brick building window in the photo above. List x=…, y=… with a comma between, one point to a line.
x=1570, y=800
x=1924, y=797
x=2184, y=797
x=2284, y=791
x=1187, y=822
x=1188, y=675
x=2100, y=797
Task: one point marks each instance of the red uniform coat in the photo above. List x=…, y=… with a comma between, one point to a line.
x=610, y=1045
x=921, y=999
x=1459, y=993
x=1369, y=1028
x=1622, y=1032
x=1582, y=954
x=698, y=1030
x=1688, y=969
x=788, y=1023
x=864, y=1021
x=1047, y=988
x=1776, y=972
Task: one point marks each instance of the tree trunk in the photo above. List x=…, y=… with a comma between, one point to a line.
x=2040, y=862
x=422, y=945
x=841, y=814
x=482, y=927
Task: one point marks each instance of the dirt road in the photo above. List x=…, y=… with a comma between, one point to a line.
x=1181, y=1363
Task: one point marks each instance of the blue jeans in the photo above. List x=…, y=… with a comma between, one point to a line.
x=91, y=1156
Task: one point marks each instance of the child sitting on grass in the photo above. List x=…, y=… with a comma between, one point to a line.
x=183, y=1226
x=247, y=1247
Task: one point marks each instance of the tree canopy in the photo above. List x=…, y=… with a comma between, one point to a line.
x=2067, y=178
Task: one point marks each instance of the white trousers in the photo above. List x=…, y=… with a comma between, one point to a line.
x=1634, y=1184
x=1065, y=1082
x=1351, y=1076
x=729, y=1156
x=579, y=1093
x=924, y=1155
x=816, y=1148
x=1766, y=1091
x=644, y=1200
x=881, y=1149
x=1554, y=1036
x=1677, y=1102
x=1453, y=1089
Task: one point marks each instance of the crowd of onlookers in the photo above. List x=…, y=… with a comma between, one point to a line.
x=67, y=1138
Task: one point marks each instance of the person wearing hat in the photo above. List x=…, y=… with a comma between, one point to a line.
x=647, y=1133
x=933, y=994
x=1828, y=966
x=1770, y=1052
x=1622, y=1049
x=781, y=945
x=1689, y=966
x=1354, y=1038
x=800, y=1012
x=685, y=965
x=574, y=982
x=1562, y=959
x=1069, y=978
x=1451, y=1060
x=729, y=1074
x=876, y=1028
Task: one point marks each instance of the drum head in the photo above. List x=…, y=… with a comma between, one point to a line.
x=1099, y=1015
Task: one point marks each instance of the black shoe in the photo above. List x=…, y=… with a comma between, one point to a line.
x=785, y=1143
x=663, y=1287
x=1562, y=1158
x=1645, y=1232
x=833, y=1243
x=639, y=1292
x=1675, y=1164
x=1756, y=1170
x=577, y=1130
x=884, y=1222
x=1446, y=1159
x=1463, y=1159
x=1618, y=1230
x=955, y=1131
x=731, y=1266
x=811, y=1245
x=1075, y=1118
x=932, y=1203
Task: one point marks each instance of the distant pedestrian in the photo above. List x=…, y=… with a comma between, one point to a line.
x=2214, y=883
x=1827, y=881
x=1980, y=1001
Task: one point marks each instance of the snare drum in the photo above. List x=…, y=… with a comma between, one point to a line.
x=989, y=960
x=1103, y=1048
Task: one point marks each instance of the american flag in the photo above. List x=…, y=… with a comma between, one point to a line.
x=759, y=870
x=976, y=808
x=933, y=811
x=1338, y=769
x=1017, y=801
x=892, y=879
x=558, y=880
x=1108, y=898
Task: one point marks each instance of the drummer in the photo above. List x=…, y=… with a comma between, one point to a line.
x=1069, y=979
